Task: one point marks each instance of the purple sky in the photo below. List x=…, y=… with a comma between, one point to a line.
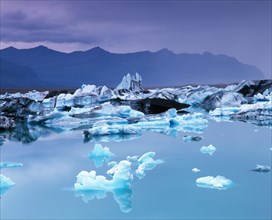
x=236, y=28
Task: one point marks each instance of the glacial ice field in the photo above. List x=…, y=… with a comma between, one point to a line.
x=131, y=153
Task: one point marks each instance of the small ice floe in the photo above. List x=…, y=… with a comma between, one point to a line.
x=90, y=186
x=10, y=165
x=256, y=130
x=208, y=149
x=196, y=170
x=262, y=169
x=5, y=184
x=219, y=182
x=188, y=138
x=146, y=162
x=99, y=155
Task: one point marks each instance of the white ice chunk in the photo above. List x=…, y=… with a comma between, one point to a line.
x=208, y=149
x=219, y=182
x=261, y=168
x=196, y=170
x=112, y=130
x=122, y=111
x=146, y=162
x=99, y=155
x=90, y=186
x=5, y=184
x=10, y=165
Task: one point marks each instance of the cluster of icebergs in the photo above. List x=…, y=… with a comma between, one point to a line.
x=100, y=113
x=89, y=185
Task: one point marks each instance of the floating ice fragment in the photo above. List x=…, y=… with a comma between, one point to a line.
x=112, y=163
x=10, y=165
x=5, y=184
x=112, y=130
x=208, y=149
x=188, y=138
x=261, y=168
x=219, y=182
x=99, y=155
x=196, y=170
x=90, y=186
x=132, y=158
x=146, y=162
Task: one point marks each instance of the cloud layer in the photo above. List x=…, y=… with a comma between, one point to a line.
x=237, y=28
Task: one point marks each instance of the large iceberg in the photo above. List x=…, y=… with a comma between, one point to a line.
x=99, y=155
x=5, y=184
x=218, y=182
x=146, y=162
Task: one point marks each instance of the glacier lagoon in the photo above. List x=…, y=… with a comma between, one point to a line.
x=187, y=153
x=44, y=185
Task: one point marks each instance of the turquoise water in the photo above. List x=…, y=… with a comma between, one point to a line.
x=44, y=185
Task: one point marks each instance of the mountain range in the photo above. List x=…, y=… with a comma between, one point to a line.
x=41, y=67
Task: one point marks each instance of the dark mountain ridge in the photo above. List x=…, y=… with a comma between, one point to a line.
x=100, y=67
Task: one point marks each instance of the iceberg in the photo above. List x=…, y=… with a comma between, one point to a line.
x=210, y=182
x=188, y=138
x=146, y=162
x=90, y=186
x=5, y=184
x=121, y=111
x=208, y=149
x=262, y=169
x=10, y=165
x=132, y=83
x=99, y=155
x=196, y=170
x=112, y=130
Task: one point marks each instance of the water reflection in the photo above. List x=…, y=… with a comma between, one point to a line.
x=123, y=196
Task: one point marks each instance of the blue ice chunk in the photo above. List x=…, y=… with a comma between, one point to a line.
x=210, y=182
x=90, y=186
x=99, y=155
x=5, y=184
x=10, y=165
x=146, y=162
x=208, y=149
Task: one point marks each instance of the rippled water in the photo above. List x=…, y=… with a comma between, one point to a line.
x=44, y=185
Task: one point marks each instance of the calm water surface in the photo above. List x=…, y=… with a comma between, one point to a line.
x=44, y=184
